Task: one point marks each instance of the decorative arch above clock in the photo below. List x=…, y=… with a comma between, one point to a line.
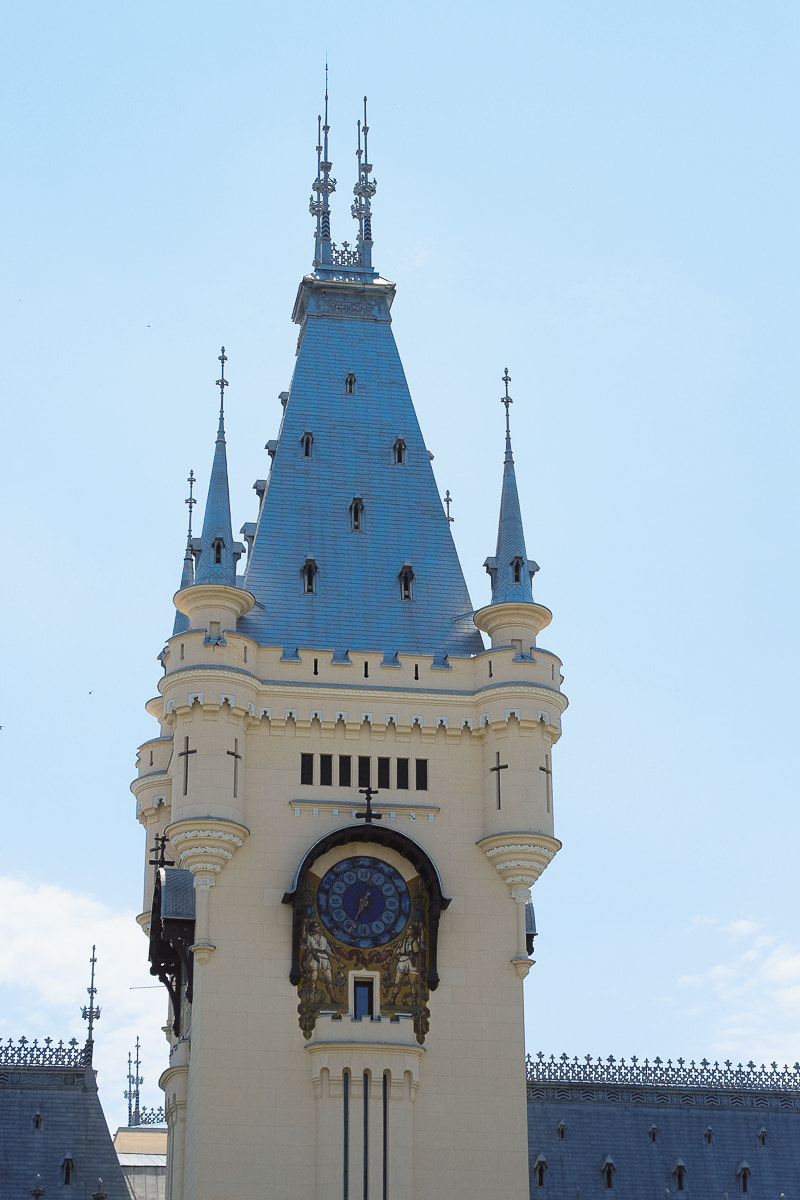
x=354, y=914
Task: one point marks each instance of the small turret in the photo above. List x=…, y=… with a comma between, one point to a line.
x=219, y=553
x=511, y=570
x=512, y=618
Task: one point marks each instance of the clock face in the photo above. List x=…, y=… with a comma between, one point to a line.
x=363, y=902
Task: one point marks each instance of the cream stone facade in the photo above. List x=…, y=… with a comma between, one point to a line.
x=347, y=990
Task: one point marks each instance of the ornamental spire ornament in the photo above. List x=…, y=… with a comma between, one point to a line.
x=364, y=190
x=89, y=1012
x=323, y=185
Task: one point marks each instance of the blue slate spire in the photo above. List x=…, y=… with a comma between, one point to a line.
x=352, y=549
x=510, y=570
x=218, y=551
x=182, y=622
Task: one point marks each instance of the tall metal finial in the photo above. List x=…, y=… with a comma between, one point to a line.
x=222, y=383
x=448, y=500
x=132, y=1094
x=323, y=185
x=191, y=500
x=364, y=190
x=89, y=1012
x=507, y=400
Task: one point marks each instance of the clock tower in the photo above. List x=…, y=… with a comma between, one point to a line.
x=350, y=797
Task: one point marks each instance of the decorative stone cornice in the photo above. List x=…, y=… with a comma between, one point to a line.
x=205, y=845
x=519, y=858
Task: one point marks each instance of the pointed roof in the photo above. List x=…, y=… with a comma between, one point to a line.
x=218, y=551
x=353, y=548
x=510, y=569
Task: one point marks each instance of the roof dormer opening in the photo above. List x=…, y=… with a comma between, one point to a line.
x=357, y=514
x=652, y=1133
x=516, y=569
x=218, y=546
x=679, y=1172
x=607, y=1171
x=708, y=1135
x=561, y=1128
x=539, y=1168
x=762, y=1137
x=350, y=385
x=307, y=444
x=309, y=572
x=68, y=1172
x=399, y=451
x=743, y=1175
x=38, y=1121
x=406, y=578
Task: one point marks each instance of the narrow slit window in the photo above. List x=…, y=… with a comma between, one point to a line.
x=307, y=768
x=383, y=773
x=402, y=774
x=309, y=573
x=406, y=578
x=68, y=1172
x=218, y=545
x=540, y=1170
x=345, y=770
x=37, y=1121
x=326, y=770
x=421, y=774
x=399, y=450
x=364, y=773
x=307, y=444
x=350, y=385
x=680, y=1179
x=516, y=569
x=357, y=514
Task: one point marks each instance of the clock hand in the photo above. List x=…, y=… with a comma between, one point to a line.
x=362, y=904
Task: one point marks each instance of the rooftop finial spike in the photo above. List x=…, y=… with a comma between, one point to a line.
x=89, y=1012
x=190, y=499
x=323, y=185
x=132, y=1094
x=507, y=401
x=222, y=383
x=363, y=191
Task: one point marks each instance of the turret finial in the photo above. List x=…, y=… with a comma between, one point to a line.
x=323, y=185
x=190, y=500
x=364, y=190
x=507, y=401
x=222, y=383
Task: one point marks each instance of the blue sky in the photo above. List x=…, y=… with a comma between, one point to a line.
x=601, y=197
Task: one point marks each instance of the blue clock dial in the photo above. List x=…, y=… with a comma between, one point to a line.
x=363, y=902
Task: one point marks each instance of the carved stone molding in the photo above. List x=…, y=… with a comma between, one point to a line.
x=520, y=858
x=205, y=847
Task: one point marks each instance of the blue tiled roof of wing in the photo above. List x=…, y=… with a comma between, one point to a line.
x=306, y=510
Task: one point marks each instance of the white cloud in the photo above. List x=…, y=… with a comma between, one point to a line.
x=747, y=1003
x=46, y=939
